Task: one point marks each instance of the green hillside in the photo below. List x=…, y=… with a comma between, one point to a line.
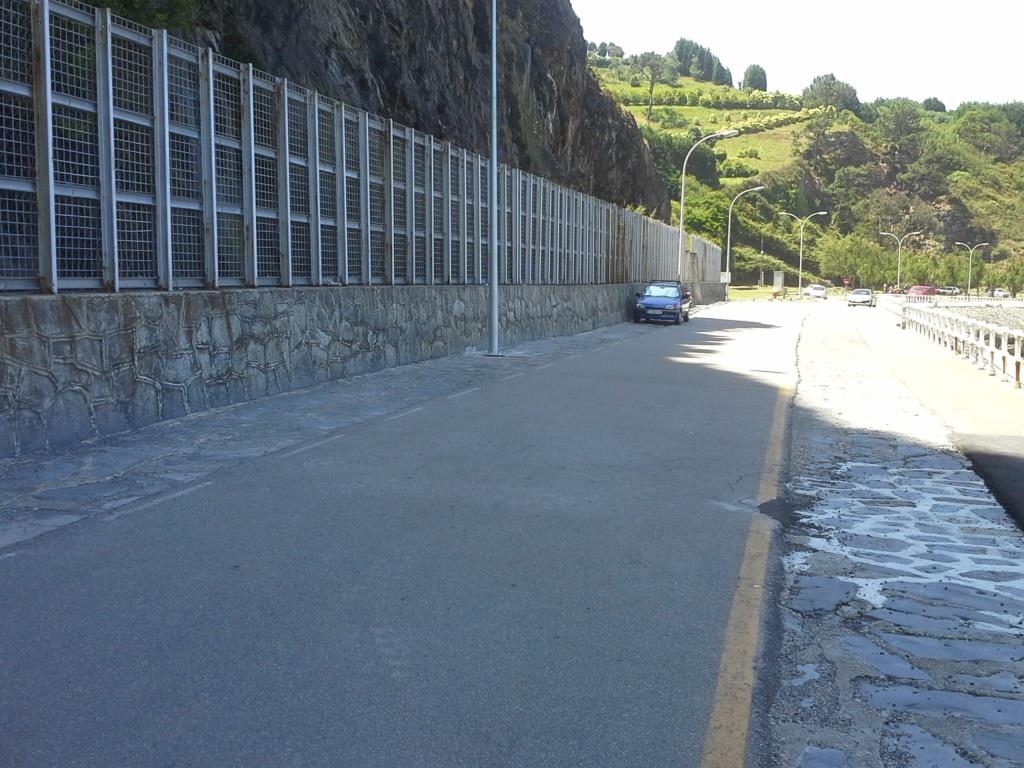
x=893, y=165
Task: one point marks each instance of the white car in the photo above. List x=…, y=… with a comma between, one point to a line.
x=1001, y=293
x=816, y=291
x=860, y=297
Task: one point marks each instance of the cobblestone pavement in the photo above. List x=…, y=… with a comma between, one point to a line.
x=119, y=474
x=1012, y=317
x=902, y=599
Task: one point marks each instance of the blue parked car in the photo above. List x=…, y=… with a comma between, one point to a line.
x=663, y=300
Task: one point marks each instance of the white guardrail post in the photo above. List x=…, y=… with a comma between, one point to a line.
x=996, y=349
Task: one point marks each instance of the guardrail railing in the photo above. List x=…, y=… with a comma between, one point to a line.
x=133, y=159
x=996, y=349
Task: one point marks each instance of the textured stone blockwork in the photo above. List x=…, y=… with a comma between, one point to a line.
x=78, y=366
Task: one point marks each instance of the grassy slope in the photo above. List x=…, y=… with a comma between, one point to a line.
x=774, y=147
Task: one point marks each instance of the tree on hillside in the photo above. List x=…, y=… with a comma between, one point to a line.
x=932, y=104
x=698, y=62
x=900, y=131
x=755, y=79
x=653, y=67
x=602, y=49
x=828, y=90
x=989, y=130
x=614, y=51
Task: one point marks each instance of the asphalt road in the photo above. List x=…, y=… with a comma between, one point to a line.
x=533, y=572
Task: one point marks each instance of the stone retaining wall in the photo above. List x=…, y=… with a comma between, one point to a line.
x=76, y=366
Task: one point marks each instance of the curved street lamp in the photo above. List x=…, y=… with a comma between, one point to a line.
x=899, y=253
x=682, y=189
x=970, y=262
x=728, y=234
x=803, y=221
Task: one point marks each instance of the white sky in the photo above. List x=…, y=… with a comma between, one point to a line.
x=954, y=51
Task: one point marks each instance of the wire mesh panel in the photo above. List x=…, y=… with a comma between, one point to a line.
x=455, y=195
x=15, y=41
x=302, y=261
x=420, y=191
x=227, y=105
x=182, y=91
x=79, y=240
x=508, y=214
x=438, y=224
x=329, y=252
x=472, y=255
x=186, y=178
x=230, y=246
x=400, y=204
x=264, y=124
x=136, y=241
x=298, y=130
x=524, y=226
x=535, y=227
x=268, y=251
x=229, y=175
x=19, y=221
x=485, y=221
x=133, y=157
x=298, y=188
x=72, y=57
x=187, y=254
x=353, y=200
x=76, y=154
x=132, y=68
x=378, y=202
x=18, y=157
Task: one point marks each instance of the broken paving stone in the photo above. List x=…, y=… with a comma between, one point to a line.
x=885, y=663
x=823, y=757
x=1004, y=682
x=906, y=698
x=1005, y=746
x=873, y=543
x=993, y=575
x=923, y=750
x=914, y=621
x=821, y=594
x=956, y=650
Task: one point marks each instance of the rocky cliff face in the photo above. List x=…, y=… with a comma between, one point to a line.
x=426, y=63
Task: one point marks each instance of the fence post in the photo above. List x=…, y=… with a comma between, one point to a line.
x=341, y=190
x=248, y=178
x=480, y=252
x=208, y=159
x=42, y=97
x=313, y=164
x=162, y=161
x=284, y=183
x=463, y=207
x=410, y=206
x=105, y=136
x=446, y=225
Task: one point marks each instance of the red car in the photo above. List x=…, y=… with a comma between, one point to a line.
x=921, y=290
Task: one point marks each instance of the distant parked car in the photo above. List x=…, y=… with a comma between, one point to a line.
x=663, y=300
x=921, y=290
x=948, y=290
x=860, y=297
x=1001, y=293
x=816, y=291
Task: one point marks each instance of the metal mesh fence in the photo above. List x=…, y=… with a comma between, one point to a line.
x=131, y=130
x=136, y=241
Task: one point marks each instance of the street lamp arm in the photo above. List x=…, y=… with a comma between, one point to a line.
x=728, y=134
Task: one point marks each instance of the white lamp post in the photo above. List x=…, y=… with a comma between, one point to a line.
x=803, y=222
x=899, y=253
x=682, y=189
x=970, y=262
x=728, y=234
x=492, y=197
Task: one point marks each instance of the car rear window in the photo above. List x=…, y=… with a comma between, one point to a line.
x=661, y=291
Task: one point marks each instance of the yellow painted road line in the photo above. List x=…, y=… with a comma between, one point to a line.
x=726, y=740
